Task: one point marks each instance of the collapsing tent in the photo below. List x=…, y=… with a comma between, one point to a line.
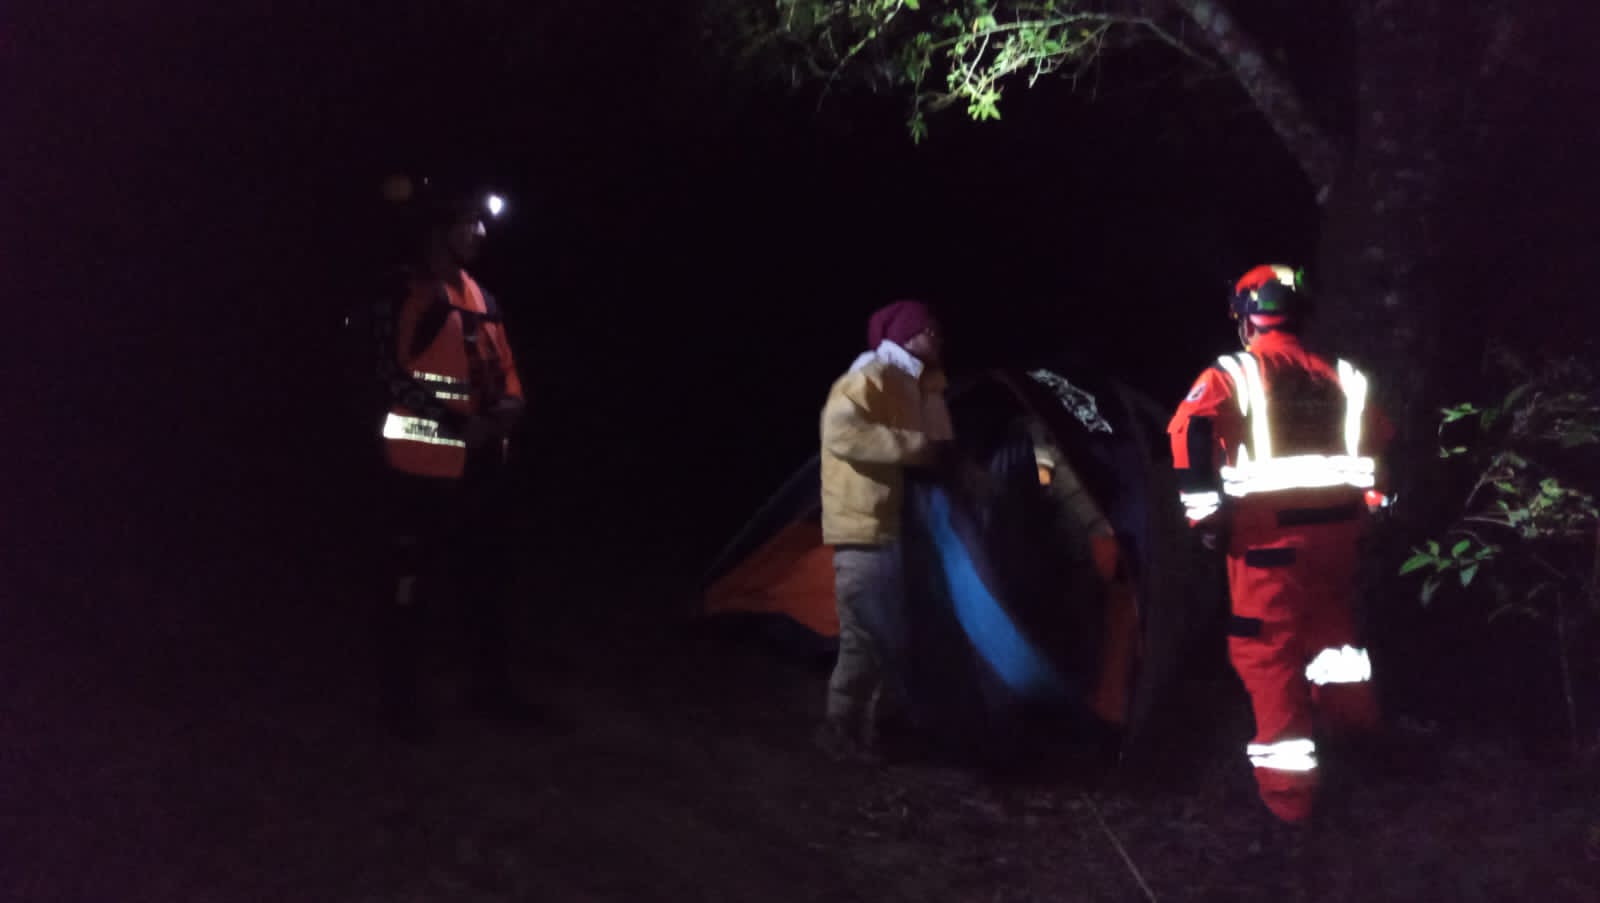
x=1004, y=608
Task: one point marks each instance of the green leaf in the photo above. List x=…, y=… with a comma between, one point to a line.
x=985, y=106
x=913, y=4
x=1458, y=548
x=1433, y=548
x=984, y=23
x=918, y=124
x=1416, y=563
x=1429, y=587
x=1467, y=573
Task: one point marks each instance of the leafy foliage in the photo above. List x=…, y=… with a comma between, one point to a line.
x=1531, y=524
x=1533, y=497
x=943, y=53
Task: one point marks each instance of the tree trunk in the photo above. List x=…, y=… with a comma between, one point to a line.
x=1453, y=224
x=1271, y=92
x=1379, y=294
x=1417, y=265
x=1380, y=235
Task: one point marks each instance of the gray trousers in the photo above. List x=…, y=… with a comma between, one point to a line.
x=863, y=576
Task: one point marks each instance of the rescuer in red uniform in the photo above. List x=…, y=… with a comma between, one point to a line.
x=1275, y=449
x=452, y=396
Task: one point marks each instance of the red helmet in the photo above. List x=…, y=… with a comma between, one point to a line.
x=1270, y=294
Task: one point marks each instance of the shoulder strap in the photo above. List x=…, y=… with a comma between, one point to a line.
x=431, y=322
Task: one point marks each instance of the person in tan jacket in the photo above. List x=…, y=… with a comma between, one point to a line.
x=885, y=414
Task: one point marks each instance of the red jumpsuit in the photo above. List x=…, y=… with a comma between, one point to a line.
x=1278, y=445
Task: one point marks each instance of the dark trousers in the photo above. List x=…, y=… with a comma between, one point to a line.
x=448, y=549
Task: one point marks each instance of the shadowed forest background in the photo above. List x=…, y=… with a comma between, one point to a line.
x=692, y=251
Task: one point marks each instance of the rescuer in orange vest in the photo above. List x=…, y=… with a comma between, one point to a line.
x=453, y=396
x=1276, y=449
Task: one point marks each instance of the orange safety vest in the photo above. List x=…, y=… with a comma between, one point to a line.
x=1275, y=423
x=446, y=359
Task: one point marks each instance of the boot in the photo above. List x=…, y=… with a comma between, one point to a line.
x=837, y=740
x=844, y=739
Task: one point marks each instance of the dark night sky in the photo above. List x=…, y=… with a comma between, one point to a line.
x=689, y=266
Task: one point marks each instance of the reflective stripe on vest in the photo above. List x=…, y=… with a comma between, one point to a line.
x=444, y=386
x=1255, y=470
x=417, y=429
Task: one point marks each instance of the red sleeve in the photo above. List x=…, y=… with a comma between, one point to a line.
x=1211, y=398
x=508, y=365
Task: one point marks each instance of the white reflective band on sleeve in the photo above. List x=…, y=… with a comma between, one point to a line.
x=1285, y=755
x=1200, y=505
x=1345, y=665
x=1297, y=472
x=1354, y=384
x=416, y=429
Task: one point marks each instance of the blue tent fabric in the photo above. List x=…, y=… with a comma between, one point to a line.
x=960, y=661
x=995, y=637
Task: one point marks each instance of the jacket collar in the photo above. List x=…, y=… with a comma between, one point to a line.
x=896, y=356
x=1274, y=341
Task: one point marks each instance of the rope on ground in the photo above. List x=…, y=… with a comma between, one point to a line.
x=1121, y=850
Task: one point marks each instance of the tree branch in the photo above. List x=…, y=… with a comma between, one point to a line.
x=1270, y=90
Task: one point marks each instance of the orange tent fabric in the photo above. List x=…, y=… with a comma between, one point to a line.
x=791, y=574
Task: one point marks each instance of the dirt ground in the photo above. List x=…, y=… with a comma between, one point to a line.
x=164, y=757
